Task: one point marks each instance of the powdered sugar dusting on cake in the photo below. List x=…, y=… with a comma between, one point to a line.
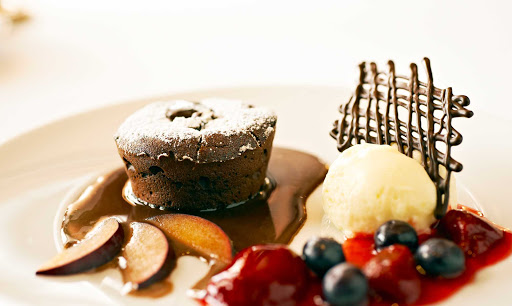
x=246, y=148
x=184, y=127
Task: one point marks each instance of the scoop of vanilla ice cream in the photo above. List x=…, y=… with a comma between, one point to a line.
x=370, y=184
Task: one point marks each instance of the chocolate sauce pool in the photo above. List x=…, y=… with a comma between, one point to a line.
x=275, y=219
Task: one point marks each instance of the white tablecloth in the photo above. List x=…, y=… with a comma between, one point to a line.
x=78, y=55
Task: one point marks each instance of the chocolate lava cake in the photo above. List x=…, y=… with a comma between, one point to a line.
x=194, y=156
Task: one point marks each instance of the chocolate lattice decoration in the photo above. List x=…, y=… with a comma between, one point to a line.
x=416, y=116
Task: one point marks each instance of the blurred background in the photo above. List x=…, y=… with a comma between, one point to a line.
x=69, y=56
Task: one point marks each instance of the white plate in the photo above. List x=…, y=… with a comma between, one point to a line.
x=43, y=167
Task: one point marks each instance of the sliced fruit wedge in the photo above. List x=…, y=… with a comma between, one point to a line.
x=149, y=256
x=197, y=234
x=98, y=247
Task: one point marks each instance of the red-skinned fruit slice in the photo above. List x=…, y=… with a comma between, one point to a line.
x=393, y=276
x=149, y=256
x=98, y=247
x=471, y=233
x=198, y=234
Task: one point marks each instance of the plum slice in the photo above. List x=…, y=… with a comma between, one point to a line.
x=149, y=256
x=197, y=234
x=98, y=247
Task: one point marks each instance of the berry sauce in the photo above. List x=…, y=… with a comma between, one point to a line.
x=361, y=249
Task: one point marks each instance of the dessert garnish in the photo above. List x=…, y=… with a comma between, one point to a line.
x=414, y=115
x=345, y=284
x=396, y=232
x=98, y=247
x=474, y=235
x=441, y=257
x=321, y=254
x=148, y=256
x=392, y=274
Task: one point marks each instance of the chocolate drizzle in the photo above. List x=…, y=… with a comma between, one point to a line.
x=414, y=115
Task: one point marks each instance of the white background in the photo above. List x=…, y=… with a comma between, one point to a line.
x=77, y=55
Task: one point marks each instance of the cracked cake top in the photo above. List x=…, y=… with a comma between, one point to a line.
x=211, y=130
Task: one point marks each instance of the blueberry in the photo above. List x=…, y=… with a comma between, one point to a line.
x=396, y=232
x=441, y=257
x=345, y=284
x=321, y=254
